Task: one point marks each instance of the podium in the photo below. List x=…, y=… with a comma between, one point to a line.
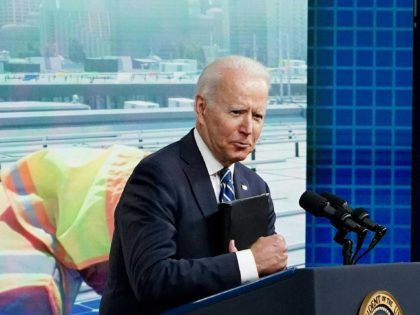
x=315, y=291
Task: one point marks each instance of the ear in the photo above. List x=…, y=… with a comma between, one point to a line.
x=199, y=107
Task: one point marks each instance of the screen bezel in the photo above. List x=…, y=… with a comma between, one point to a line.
x=415, y=185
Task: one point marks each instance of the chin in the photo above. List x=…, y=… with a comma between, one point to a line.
x=237, y=155
x=239, y=158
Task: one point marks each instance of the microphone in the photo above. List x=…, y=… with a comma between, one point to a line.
x=336, y=201
x=339, y=203
x=360, y=215
x=320, y=207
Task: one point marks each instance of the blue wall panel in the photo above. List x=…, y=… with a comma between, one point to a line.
x=359, y=119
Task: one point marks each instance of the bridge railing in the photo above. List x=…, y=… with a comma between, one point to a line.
x=13, y=148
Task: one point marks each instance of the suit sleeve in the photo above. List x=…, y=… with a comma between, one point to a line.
x=146, y=218
x=271, y=214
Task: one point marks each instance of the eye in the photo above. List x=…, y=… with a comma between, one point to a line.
x=236, y=112
x=258, y=117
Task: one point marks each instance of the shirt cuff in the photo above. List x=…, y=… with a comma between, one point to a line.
x=247, y=266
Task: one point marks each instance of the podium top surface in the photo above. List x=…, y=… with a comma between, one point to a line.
x=237, y=291
x=315, y=290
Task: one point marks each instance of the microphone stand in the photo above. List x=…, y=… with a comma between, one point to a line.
x=380, y=232
x=360, y=239
x=347, y=245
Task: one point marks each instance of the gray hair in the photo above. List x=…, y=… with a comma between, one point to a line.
x=213, y=73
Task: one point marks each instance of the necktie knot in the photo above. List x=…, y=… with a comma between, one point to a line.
x=227, y=192
x=225, y=175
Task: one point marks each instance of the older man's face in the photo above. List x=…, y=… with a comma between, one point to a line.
x=232, y=123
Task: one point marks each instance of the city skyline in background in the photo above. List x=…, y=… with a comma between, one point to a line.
x=73, y=30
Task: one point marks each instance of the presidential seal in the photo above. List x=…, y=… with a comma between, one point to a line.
x=380, y=303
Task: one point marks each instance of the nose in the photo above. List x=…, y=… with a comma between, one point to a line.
x=247, y=124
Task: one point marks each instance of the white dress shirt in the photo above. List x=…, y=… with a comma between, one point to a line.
x=246, y=261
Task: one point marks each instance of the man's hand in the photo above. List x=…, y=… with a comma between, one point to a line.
x=270, y=254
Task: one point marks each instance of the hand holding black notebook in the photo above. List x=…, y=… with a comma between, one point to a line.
x=244, y=220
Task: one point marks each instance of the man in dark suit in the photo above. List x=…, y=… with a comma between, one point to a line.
x=165, y=249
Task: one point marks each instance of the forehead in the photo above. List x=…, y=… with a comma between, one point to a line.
x=227, y=75
x=239, y=88
x=241, y=82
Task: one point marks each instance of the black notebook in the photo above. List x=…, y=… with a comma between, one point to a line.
x=244, y=220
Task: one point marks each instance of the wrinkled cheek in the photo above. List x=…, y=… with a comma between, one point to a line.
x=243, y=152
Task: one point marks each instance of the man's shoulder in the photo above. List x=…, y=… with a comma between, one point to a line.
x=248, y=173
x=173, y=151
x=240, y=167
x=169, y=152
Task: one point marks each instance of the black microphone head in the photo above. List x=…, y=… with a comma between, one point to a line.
x=320, y=207
x=313, y=203
x=333, y=199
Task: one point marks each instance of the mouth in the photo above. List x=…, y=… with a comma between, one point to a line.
x=242, y=145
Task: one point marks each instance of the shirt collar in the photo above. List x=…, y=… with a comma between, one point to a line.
x=212, y=165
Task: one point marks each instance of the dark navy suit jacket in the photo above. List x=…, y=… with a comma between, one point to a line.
x=165, y=249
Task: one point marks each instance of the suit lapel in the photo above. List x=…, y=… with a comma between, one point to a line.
x=242, y=188
x=196, y=173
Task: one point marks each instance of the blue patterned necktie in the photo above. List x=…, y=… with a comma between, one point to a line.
x=227, y=193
